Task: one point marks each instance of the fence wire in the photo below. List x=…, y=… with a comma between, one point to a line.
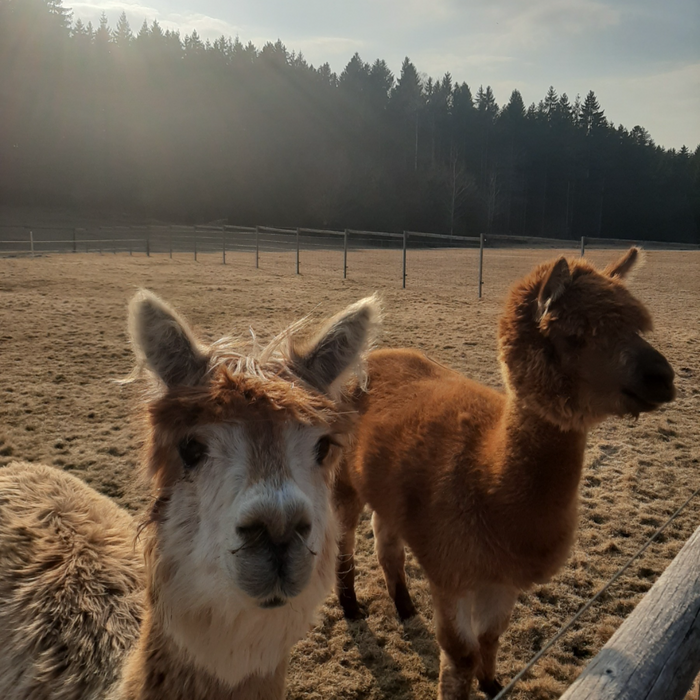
x=412, y=259
x=530, y=664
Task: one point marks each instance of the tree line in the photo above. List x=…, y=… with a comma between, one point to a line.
x=156, y=124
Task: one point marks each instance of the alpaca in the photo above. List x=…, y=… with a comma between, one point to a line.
x=238, y=547
x=481, y=484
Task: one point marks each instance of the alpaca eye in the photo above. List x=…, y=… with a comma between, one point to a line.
x=191, y=452
x=322, y=448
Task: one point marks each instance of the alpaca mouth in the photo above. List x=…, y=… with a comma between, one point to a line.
x=641, y=405
x=274, y=602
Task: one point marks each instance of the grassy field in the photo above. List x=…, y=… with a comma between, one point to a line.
x=63, y=338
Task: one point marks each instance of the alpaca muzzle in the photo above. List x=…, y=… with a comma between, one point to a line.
x=653, y=381
x=274, y=562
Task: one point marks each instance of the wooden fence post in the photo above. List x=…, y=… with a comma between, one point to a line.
x=148, y=245
x=257, y=246
x=655, y=654
x=481, y=262
x=31, y=242
x=583, y=245
x=405, y=239
x=345, y=254
x=297, y=251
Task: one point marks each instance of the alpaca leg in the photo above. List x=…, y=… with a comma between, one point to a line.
x=348, y=507
x=492, y=609
x=459, y=650
x=392, y=557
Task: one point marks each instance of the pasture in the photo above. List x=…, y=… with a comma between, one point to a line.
x=63, y=339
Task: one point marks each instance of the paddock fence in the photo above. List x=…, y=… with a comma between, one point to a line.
x=409, y=258
x=655, y=654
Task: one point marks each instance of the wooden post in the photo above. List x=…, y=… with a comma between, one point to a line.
x=583, y=245
x=655, y=654
x=481, y=262
x=75, y=248
x=148, y=246
x=345, y=254
x=223, y=245
x=297, y=251
x=31, y=242
x=257, y=246
x=194, y=230
x=405, y=238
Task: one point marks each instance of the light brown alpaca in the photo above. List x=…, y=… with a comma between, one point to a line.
x=239, y=545
x=482, y=484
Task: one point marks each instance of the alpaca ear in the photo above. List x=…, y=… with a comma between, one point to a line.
x=163, y=342
x=553, y=286
x=621, y=268
x=339, y=347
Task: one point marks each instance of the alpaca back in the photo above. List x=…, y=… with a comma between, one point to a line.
x=71, y=586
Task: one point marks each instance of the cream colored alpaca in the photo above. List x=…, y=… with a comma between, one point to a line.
x=239, y=545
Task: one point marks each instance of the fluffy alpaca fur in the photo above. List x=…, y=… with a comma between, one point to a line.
x=238, y=549
x=482, y=485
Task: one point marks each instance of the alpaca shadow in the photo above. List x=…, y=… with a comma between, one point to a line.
x=388, y=675
x=422, y=641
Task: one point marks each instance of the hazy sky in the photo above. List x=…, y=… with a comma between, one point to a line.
x=640, y=57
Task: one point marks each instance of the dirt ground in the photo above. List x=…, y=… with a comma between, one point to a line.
x=63, y=338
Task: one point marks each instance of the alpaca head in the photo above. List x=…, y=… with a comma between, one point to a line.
x=241, y=453
x=571, y=344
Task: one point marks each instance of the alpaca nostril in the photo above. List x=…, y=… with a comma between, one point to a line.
x=657, y=379
x=303, y=529
x=252, y=531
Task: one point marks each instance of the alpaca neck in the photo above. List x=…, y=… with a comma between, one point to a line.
x=543, y=460
x=536, y=471
x=158, y=669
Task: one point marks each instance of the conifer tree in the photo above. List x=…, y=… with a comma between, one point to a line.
x=592, y=117
x=103, y=35
x=122, y=36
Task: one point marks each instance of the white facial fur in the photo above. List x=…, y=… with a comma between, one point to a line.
x=250, y=469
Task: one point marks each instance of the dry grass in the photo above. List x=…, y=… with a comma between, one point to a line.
x=62, y=338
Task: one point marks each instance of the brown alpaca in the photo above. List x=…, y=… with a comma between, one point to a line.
x=238, y=549
x=481, y=484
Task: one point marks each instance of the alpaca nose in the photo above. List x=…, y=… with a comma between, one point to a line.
x=656, y=376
